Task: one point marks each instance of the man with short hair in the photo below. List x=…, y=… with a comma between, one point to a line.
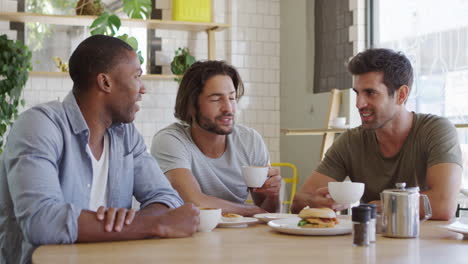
x=202, y=155
x=392, y=145
x=70, y=169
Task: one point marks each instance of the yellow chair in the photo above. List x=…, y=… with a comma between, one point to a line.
x=292, y=181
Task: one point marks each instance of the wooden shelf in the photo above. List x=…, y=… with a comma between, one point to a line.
x=65, y=74
x=87, y=20
x=322, y=131
x=313, y=132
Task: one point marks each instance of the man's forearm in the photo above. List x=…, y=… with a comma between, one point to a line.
x=300, y=201
x=154, y=209
x=227, y=206
x=269, y=203
x=92, y=230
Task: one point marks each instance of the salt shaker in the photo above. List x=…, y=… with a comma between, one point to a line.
x=372, y=221
x=361, y=217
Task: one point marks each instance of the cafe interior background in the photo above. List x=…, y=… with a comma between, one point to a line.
x=290, y=54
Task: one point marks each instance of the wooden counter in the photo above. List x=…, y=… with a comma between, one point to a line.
x=259, y=244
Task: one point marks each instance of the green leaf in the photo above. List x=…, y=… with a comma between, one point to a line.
x=137, y=8
x=140, y=57
x=105, y=24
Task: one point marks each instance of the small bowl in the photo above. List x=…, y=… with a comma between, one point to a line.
x=346, y=192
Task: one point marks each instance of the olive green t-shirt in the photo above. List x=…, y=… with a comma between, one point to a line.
x=356, y=154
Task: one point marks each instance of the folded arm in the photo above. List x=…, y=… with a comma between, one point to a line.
x=185, y=183
x=150, y=222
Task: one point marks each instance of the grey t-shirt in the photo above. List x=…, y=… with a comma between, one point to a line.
x=174, y=148
x=356, y=154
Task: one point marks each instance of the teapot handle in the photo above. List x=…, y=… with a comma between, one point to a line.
x=427, y=208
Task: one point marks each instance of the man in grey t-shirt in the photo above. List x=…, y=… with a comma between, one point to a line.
x=392, y=144
x=202, y=157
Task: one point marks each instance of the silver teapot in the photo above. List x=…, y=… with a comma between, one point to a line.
x=400, y=211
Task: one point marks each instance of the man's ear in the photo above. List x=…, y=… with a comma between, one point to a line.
x=402, y=94
x=104, y=82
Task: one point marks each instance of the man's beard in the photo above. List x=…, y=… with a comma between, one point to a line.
x=208, y=125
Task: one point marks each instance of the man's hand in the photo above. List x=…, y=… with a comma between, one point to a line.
x=179, y=222
x=115, y=218
x=321, y=198
x=272, y=185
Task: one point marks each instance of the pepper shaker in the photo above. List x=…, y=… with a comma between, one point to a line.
x=360, y=218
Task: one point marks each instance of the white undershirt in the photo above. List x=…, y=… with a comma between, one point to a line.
x=100, y=174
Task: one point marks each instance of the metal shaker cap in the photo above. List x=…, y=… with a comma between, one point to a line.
x=373, y=208
x=361, y=214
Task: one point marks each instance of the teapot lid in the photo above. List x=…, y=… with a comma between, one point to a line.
x=401, y=188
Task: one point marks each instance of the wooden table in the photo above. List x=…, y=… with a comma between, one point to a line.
x=259, y=244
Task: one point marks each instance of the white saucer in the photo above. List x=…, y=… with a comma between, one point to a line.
x=289, y=226
x=460, y=225
x=243, y=222
x=273, y=216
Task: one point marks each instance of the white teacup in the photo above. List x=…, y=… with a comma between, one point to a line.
x=255, y=176
x=209, y=219
x=346, y=192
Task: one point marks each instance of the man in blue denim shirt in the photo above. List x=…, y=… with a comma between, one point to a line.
x=48, y=169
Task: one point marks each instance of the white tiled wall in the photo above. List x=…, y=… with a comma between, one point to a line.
x=252, y=44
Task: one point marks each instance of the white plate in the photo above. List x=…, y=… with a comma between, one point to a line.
x=244, y=221
x=273, y=216
x=460, y=226
x=289, y=226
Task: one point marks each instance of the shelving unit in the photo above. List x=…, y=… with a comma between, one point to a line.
x=87, y=20
x=209, y=28
x=65, y=74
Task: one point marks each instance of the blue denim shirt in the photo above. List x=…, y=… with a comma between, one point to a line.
x=46, y=177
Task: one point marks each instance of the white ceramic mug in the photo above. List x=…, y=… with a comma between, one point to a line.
x=255, y=176
x=209, y=219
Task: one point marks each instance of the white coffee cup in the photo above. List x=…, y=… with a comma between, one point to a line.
x=255, y=176
x=209, y=219
x=346, y=192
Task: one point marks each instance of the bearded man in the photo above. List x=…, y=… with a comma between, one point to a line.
x=202, y=155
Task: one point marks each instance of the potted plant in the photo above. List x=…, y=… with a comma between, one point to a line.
x=15, y=64
x=89, y=8
x=181, y=62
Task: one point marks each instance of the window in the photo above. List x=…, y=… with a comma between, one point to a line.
x=434, y=36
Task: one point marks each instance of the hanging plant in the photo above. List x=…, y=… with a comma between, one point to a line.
x=15, y=64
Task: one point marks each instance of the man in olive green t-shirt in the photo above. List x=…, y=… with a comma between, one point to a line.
x=392, y=144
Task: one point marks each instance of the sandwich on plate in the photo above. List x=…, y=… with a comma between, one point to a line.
x=231, y=217
x=317, y=218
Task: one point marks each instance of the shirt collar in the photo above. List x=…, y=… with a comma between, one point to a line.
x=75, y=117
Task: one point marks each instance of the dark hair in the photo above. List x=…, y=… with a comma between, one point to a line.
x=193, y=82
x=94, y=55
x=396, y=68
